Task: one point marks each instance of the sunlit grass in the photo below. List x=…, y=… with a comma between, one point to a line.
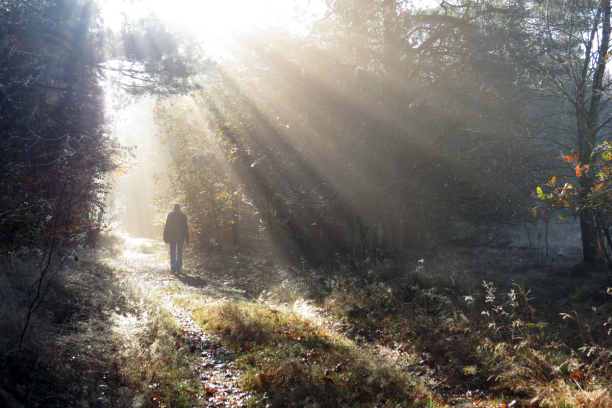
x=287, y=356
x=134, y=345
x=106, y=342
x=431, y=320
x=398, y=336
x=395, y=337
x=505, y=340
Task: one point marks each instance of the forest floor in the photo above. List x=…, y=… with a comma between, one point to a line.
x=226, y=357
x=245, y=329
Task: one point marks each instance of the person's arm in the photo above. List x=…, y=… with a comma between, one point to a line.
x=166, y=229
x=186, y=231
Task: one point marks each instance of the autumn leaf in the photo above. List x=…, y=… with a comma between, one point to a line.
x=578, y=171
x=246, y=347
x=296, y=337
x=552, y=181
x=568, y=158
x=576, y=374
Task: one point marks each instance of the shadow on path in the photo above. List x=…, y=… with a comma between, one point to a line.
x=194, y=281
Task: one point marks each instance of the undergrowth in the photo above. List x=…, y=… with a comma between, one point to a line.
x=398, y=335
x=97, y=342
x=476, y=335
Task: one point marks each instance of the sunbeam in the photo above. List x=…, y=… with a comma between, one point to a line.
x=390, y=203
x=218, y=24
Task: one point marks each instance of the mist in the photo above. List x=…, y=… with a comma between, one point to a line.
x=132, y=207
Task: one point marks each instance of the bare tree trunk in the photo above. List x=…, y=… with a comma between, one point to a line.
x=588, y=126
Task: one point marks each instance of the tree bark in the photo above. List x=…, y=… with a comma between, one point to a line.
x=588, y=127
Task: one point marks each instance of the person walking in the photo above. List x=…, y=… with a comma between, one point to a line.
x=176, y=233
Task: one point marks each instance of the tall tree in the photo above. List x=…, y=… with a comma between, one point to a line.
x=570, y=42
x=54, y=146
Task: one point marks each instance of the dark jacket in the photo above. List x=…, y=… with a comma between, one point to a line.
x=176, y=229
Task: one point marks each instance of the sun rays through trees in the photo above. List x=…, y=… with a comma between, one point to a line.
x=383, y=129
x=319, y=165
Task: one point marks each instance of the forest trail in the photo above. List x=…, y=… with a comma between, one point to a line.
x=144, y=264
x=216, y=358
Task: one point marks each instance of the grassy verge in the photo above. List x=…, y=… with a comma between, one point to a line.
x=290, y=358
x=98, y=342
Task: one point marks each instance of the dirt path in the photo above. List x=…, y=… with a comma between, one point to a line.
x=144, y=264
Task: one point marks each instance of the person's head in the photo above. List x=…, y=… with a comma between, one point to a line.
x=177, y=207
